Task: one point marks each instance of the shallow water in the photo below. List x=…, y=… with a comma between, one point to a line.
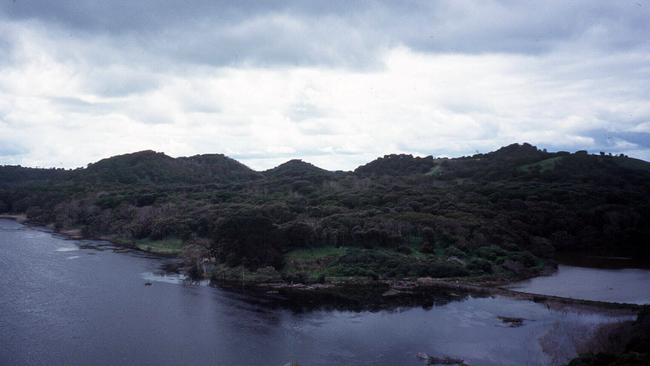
x=66, y=305
x=611, y=284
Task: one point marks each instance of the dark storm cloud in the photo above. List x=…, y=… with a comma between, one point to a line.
x=205, y=32
x=339, y=33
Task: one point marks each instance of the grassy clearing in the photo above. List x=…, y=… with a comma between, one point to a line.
x=544, y=165
x=435, y=171
x=328, y=262
x=311, y=263
x=165, y=246
x=322, y=263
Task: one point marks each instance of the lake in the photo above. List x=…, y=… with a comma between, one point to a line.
x=66, y=302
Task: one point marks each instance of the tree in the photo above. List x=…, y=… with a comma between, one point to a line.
x=251, y=241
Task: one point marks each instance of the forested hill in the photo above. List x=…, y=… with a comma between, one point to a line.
x=399, y=215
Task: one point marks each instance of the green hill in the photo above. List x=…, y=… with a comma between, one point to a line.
x=503, y=213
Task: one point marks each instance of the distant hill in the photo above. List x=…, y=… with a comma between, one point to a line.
x=217, y=168
x=517, y=154
x=396, y=165
x=296, y=168
x=150, y=167
x=139, y=167
x=502, y=213
x=12, y=174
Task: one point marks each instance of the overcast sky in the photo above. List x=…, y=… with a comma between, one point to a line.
x=335, y=83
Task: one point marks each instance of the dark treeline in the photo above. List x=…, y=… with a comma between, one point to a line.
x=500, y=212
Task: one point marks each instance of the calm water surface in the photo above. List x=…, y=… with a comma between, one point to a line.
x=607, y=283
x=64, y=304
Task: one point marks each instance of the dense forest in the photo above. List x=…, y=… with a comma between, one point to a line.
x=506, y=212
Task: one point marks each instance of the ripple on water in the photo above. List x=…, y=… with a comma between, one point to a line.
x=173, y=278
x=67, y=249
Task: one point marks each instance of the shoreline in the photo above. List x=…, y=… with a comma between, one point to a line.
x=76, y=234
x=372, y=295
x=429, y=286
x=393, y=288
x=20, y=218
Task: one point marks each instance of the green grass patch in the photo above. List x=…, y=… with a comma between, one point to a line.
x=309, y=264
x=165, y=246
x=325, y=262
x=543, y=166
x=435, y=171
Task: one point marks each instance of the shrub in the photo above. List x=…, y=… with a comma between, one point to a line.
x=404, y=249
x=453, y=251
x=490, y=252
x=427, y=248
x=479, y=265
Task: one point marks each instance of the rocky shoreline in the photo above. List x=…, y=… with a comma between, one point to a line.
x=385, y=291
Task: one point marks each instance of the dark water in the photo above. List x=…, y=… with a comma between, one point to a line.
x=62, y=305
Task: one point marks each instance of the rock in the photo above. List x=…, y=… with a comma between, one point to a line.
x=432, y=360
x=511, y=321
x=391, y=292
x=513, y=266
x=425, y=281
x=456, y=260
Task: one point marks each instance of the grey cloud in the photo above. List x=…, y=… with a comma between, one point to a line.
x=200, y=106
x=338, y=33
x=77, y=105
x=121, y=16
x=10, y=148
x=304, y=109
x=589, y=61
x=6, y=49
x=290, y=155
x=119, y=83
x=270, y=40
x=607, y=140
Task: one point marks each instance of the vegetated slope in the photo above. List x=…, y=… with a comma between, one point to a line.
x=150, y=167
x=502, y=213
x=397, y=165
x=296, y=169
x=16, y=174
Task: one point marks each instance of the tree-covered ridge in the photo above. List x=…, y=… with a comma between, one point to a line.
x=397, y=164
x=149, y=167
x=16, y=174
x=296, y=168
x=501, y=213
